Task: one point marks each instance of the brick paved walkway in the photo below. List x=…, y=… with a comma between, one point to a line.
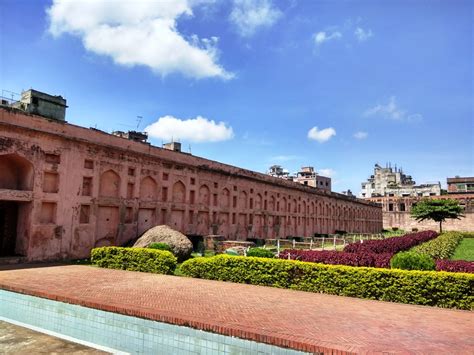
x=300, y=320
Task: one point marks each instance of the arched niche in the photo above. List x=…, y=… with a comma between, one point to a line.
x=17, y=173
x=109, y=184
x=225, y=198
x=204, y=195
x=179, y=192
x=148, y=189
x=243, y=200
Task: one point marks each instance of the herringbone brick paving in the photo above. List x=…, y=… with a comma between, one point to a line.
x=300, y=320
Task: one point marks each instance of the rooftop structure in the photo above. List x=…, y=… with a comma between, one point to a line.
x=278, y=172
x=41, y=104
x=390, y=181
x=460, y=185
x=174, y=146
x=132, y=135
x=306, y=176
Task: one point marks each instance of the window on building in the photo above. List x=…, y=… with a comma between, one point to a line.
x=130, y=189
x=129, y=215
x=87, y=186
x=402, y=207
x=131, y=171
x=88, y=164
x=193, y=181
x=84, y=214
x=390, y=206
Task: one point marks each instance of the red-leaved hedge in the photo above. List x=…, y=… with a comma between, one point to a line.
x=339, y=257
x=455, y=265
x=391, y=245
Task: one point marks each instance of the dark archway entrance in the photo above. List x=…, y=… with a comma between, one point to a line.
x=8, y=225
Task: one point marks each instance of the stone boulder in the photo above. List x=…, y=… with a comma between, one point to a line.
x=179, y=243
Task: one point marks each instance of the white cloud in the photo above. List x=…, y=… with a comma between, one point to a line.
x=361, y=135
x=325, y=36
x=197, y=129
x=321, y=135
x=327, y=172
x=250, y=15
x=139, y=33
x=363, y=35
x=392, y=111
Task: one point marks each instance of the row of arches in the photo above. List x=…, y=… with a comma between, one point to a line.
x=148, y=190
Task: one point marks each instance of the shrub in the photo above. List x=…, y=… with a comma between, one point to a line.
x=134, y=259
x=455, y=266
x=441, y=247
x=260, y=253
x=160, y=246
x=339, y=257
x=391, y=245
x=432, y=288
x=410, y=260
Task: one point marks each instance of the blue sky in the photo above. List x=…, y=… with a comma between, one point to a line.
x=246, y=82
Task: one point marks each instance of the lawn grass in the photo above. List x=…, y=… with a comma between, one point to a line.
x=465, y=250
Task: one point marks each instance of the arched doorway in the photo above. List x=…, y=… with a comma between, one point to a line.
x=16, y=175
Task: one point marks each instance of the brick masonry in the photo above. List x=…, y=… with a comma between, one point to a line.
x=75, y=188
x=295, y=319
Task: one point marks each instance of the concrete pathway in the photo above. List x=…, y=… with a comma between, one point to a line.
x=17, y=340
x=299, y=320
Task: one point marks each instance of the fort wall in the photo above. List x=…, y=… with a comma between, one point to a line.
x=71, y=189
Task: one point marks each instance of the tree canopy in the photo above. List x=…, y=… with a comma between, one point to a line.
x=437, y=210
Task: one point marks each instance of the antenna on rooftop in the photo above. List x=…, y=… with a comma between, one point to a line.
x=190, y=149
x=139, y=120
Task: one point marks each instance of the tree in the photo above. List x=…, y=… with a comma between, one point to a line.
x=437, y=210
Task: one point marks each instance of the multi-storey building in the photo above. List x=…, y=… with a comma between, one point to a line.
x=306, y=176
x=463, y=185
x=393, y=182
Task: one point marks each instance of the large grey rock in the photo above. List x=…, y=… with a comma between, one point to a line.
x=179, y=243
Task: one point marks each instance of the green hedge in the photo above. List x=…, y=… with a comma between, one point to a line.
x=442, y=289
x=134, y=259
x=441, y=247
x=411, y=260
x=260, y=252
x=160, y=246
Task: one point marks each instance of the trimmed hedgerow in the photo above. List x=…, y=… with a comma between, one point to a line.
x=441, y=247
x=391, y=245
x=134, y=259
x=441, y=289
x=160, y=246
x=338, y=257
x=455, y=266
x=260, y=253
x=411, y=260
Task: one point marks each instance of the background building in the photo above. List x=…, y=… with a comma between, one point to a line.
x=306, y=176
x=461, y=185
x=396, y=207
x=393, y=182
